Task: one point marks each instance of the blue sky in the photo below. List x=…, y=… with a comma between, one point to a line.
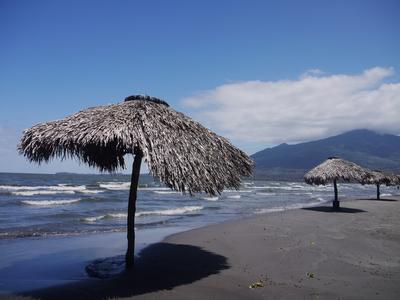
x=58, y=57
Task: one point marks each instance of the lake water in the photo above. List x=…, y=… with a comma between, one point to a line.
x=40, y=205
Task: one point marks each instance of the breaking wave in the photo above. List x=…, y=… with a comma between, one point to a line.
x=211, y=198
x=166, y=192
x=59, y=187
x=49, y=202
x=47, y=190
x=289, y=207
x=91, y=191
x=107, y=216
x=39, y=192
x=170, y=212
x=115, y=186
x=238, y=191
x=165, y=212
x=154, y=189
x=234, y=197
x=266, y=193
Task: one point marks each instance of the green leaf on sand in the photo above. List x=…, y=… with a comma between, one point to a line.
x=256, y=285
x=310, y=275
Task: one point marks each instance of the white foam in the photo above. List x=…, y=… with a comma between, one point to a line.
x=301, y=193
x=288, y=207
x=166, y=192
x=93, y=219
x=154, y=189
x=268, y=210
x=64, y=187
x=41, y=192
x=19, y=188
x=92, y=191
x=118, y=215
x=115, y=186
x=386, y=195
x=60, y=187
x=289, y=188
x=298, y=186
x=266, y=193
x=168, y=212
x=107, y=216
x=50, y=202
x=238, y=191
x=234, y=196
x=210, y=198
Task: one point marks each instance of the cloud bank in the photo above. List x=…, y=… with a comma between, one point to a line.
x=262, y=113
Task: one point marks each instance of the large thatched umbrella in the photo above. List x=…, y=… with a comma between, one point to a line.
x=183, y=154
x=378, y=178
x=334, y=169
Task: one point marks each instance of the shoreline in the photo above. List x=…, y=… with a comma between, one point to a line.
x=38, y=262
x=62, y=259
x=302, y=253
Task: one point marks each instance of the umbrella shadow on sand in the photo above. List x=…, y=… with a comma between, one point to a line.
x=328, y=209
x=161, y=266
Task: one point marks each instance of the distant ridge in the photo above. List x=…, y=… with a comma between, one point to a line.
x=364, y=147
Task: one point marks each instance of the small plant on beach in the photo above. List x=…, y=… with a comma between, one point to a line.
x=310, y=275
x=257, y=284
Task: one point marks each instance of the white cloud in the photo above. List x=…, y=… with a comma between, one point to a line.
x=261, y=113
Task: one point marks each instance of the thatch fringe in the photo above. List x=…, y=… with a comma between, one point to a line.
x=381, y=177
x=185, y=155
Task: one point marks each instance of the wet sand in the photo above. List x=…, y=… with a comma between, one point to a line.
x=33, y=263
x=309, y=253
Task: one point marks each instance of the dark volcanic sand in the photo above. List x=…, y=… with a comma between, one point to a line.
x=298, y=254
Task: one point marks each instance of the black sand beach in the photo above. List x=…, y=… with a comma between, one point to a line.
x=311, y=253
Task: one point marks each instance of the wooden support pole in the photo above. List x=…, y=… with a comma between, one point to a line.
x=130, y=252
x=336, y=204
x=378, y=192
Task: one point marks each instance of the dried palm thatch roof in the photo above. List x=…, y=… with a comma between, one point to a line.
x=380, y=177
x=397, y=181
x=185, y=155
x=336, y=169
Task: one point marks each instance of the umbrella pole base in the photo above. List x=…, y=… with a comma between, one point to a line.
x=336, y=205
x=129, y=261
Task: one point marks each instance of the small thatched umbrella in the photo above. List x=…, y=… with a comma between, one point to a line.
x=186, y=156
x=334, y=169
x=378, y=178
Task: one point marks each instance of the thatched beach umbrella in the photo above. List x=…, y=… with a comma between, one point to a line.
x=182, y=153
x=378, y=178
x=334, y=169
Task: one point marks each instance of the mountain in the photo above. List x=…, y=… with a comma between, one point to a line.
x=364, y=147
